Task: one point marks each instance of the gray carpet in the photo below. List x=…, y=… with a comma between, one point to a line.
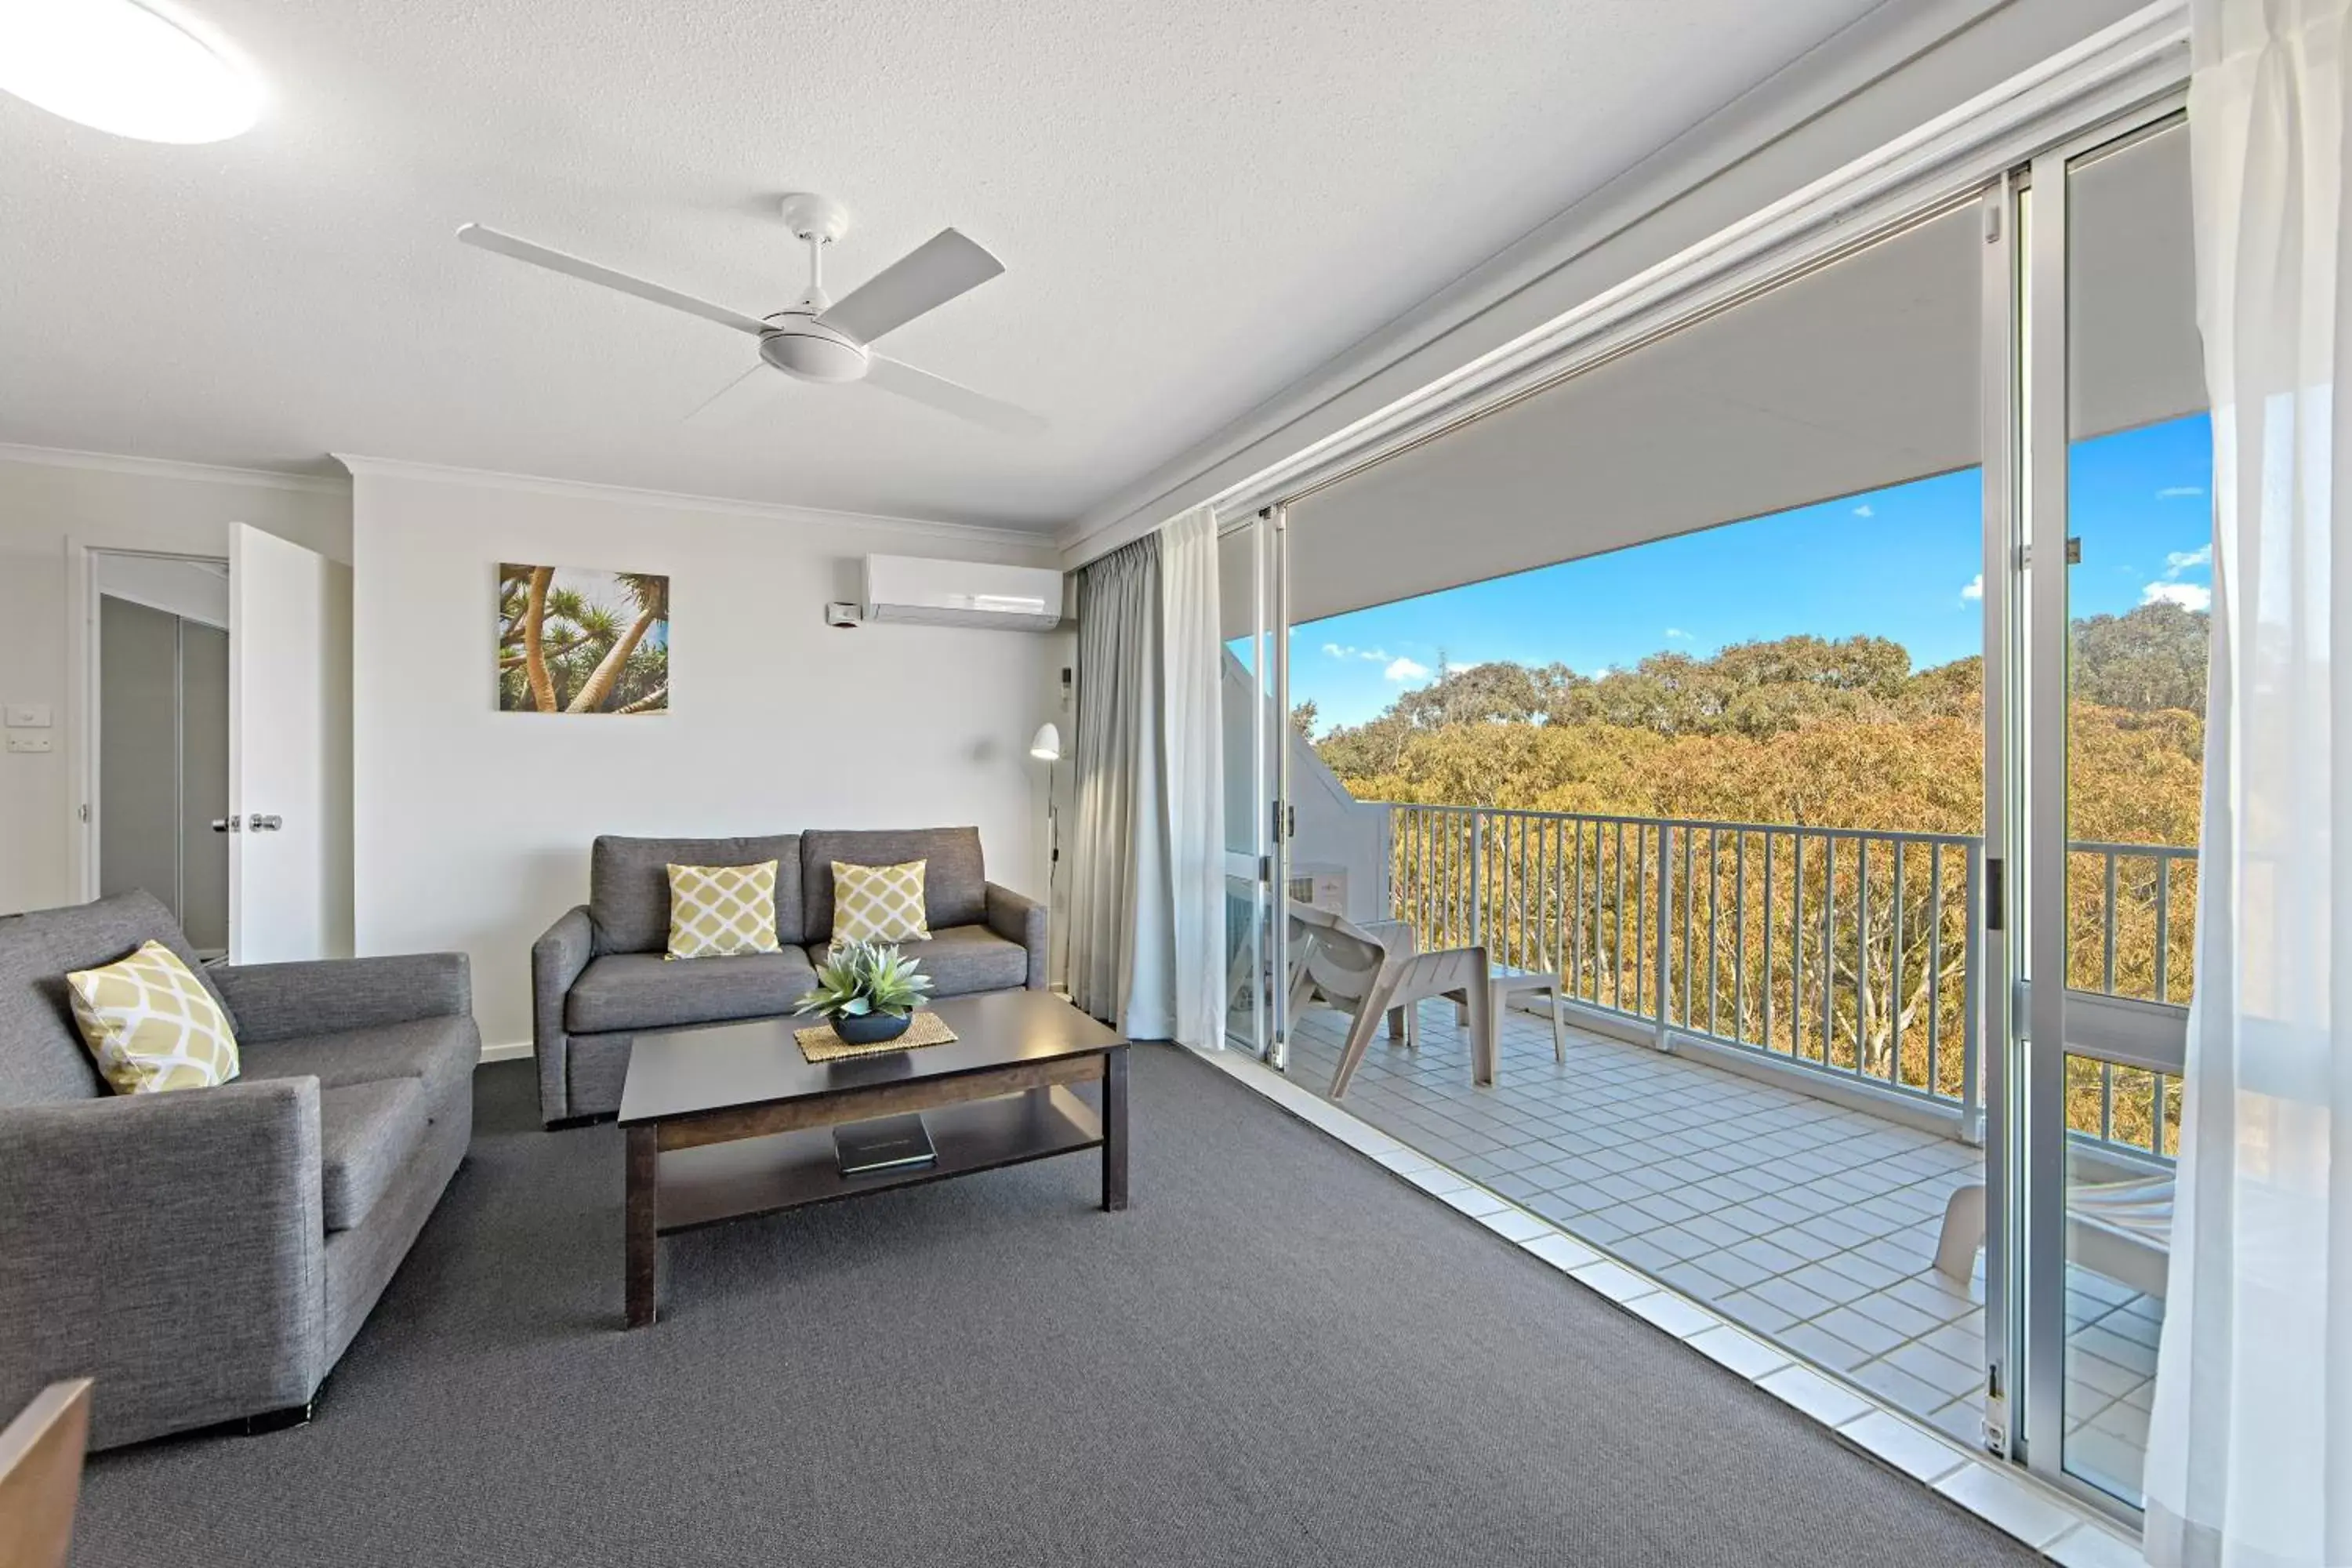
x=1280, y=1354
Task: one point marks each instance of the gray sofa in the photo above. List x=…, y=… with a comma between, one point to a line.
x=598, y=976
x=206, y=1255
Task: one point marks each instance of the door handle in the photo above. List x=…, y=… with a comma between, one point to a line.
x=261, y=824
x=225, y=825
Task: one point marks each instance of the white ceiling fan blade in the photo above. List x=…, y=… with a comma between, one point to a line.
x=926, y=278
x=948, y=396
x=756, y=389
x=482, y=238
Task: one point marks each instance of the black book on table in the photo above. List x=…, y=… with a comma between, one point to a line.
x=888, y=1144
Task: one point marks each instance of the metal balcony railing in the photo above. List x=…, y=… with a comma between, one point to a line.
x=1848, y=952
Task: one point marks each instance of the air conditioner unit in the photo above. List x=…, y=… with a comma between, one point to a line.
x=919, y=592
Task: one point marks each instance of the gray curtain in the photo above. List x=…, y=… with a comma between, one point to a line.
x=1121, y=949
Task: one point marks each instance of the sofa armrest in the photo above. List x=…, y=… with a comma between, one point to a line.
x=1018, y=918
x=278, y=1001
x=556, y=961
x=170, y=1246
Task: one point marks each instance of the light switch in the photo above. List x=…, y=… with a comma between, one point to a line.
x=28, y=716
x=30, y=743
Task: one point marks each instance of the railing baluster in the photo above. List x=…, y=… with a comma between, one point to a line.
x=1520, y=927
x=2163, y=925
x=1971, y=1007
x=2105, y=976
x=1894, y=1030
x=1739, y=933
x=1665, y=965
x=1617, y=939
x=1861, y=956
x=1765, y=1040
x=1640, y=916
x=1714, y=927
x=1689, y=961
x=1829, y=949
x=1579, y=929
x=1797, y=950
x=1936, y=963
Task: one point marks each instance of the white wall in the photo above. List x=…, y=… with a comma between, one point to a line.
x=48, y=500
x=472, y=826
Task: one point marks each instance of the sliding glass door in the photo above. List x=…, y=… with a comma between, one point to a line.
x=2117, y=584
x=2010, y=379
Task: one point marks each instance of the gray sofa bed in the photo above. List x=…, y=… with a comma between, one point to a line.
x=206, y=1255
x=598, y=976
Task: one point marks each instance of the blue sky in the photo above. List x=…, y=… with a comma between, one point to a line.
x=1904, y=563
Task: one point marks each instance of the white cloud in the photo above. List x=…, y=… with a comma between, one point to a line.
x=2181, y=560
x=1678, y=633
x=2178, y=492
x=1974, y=591
x=1864, y=511
x=1405, y=670
x=1350, y=650
x=2188, y=595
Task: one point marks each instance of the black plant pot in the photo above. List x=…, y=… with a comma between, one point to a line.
x=870, y=1028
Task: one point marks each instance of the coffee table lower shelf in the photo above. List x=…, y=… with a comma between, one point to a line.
x=750, y=1176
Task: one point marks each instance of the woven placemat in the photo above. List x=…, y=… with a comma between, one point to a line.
x=822, y=1045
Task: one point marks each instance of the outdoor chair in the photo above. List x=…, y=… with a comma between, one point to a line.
x=1367, y=977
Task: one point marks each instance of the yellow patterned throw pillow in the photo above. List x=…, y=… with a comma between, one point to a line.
x=722, y=911
x=151, y=1024
x=879, y=903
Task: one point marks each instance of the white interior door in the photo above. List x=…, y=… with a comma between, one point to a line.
x=289, y=751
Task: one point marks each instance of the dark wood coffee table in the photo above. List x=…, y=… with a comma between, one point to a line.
x=728, y=1121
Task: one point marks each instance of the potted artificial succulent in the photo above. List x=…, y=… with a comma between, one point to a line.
x=867, y=992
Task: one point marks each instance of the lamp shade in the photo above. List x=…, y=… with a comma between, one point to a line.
x=1046, y=744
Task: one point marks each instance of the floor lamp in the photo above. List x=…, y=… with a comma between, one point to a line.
x=1046, y=747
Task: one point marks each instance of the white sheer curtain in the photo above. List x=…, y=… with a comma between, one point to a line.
x=1192, y=650
x=2250, y=1445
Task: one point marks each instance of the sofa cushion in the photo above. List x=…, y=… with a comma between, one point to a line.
x=877, y=903
x=42, y=1058
x=647, y=991
x=961, y=960
x=366, y=1132
x=628, y=885
x=721, y=912
x=440, y=1052
x=151, y=1024
x=955, y=883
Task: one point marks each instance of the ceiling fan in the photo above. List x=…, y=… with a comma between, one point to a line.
x=816, y=338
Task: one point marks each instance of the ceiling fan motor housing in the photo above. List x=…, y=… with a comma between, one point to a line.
x=797, y=344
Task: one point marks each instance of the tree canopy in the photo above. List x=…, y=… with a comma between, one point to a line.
x=1796, y=729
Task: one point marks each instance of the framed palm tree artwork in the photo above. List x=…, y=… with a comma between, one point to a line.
x=578, y=641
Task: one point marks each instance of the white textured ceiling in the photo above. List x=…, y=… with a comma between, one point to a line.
x=1197, y=204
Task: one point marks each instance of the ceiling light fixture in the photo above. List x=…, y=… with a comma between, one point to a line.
x=125, y=68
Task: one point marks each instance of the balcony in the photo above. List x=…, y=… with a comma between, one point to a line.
x=1774, y=1074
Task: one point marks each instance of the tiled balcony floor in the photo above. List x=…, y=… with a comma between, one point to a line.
x=1812, y=1223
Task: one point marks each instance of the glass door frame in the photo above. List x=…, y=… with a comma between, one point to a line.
x=1264, y=862
x=2050, y=1014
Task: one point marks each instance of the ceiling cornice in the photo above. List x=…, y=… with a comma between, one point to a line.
x=362, y=466
x=174, y=468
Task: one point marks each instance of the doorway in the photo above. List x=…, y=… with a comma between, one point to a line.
x=159, y=684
